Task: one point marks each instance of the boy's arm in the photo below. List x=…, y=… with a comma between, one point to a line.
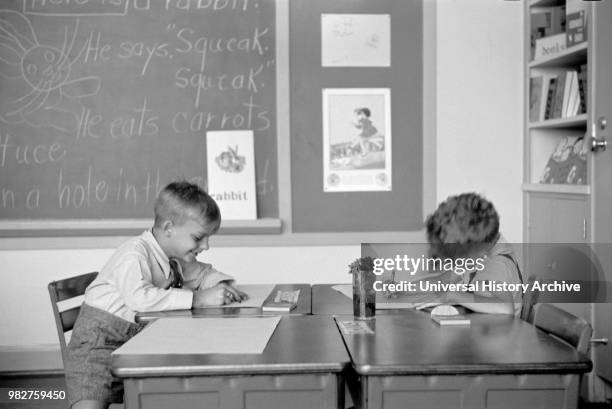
x=497, y=269
x=134, y=283
x=205, y=280
x=198, y=275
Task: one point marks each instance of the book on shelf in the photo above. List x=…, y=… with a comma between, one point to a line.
x=550, y=97
x=550, y=46
x=538, y=96
x=546, y=22
x=571, y=99
x=567, y=163
x=576, y=22
x=557, y=103
x=535, y=97
x=582, y=88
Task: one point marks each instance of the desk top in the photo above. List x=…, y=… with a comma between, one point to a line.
x=303, y=307
x=412, y=344
x=326, y=300
x=300, y=344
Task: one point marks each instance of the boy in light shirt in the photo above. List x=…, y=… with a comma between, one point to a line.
x=155, y=271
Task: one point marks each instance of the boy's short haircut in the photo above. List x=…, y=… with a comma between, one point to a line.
x=461, y=225
x=365, y=110
x=180, y=201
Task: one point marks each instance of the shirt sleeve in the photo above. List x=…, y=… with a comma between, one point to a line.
x=134, y=283
x=498, y=268
x=200, y=275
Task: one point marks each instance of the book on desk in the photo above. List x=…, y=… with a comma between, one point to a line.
x=445, y=320
x=445, y=314
x=281, y=306
x=283, y=301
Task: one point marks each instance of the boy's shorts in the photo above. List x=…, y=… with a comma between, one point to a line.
x=95, y=336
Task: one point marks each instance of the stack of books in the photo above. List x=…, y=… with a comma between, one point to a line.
x=558, y=95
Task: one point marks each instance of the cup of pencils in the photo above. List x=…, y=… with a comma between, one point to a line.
x=364, y=295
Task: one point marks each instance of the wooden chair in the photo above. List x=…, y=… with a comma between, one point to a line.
x=576, y=331
x=63, y=291
x=530, y=298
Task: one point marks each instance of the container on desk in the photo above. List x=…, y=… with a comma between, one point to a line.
x=364, y=295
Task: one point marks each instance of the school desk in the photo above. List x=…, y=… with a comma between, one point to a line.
x=300, y=367
x=496, y=362
x=303, y=307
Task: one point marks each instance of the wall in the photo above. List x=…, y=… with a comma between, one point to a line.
x=480, y=104
x=478, y=120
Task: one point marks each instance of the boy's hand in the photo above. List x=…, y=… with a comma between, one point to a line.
x=209, y=296
x=220, y=294
x=235, y=294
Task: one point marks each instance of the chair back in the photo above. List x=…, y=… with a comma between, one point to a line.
x=65, y=290
x=530, y=298
x=574, y=330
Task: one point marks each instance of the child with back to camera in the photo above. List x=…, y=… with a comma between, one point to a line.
x=155, y=271
x=467, y=226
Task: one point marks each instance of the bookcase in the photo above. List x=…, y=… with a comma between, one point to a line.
x=558, y=206
x=556, y=178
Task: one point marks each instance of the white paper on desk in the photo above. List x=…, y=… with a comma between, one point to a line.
x=257, y=294
x=203, y=336
x=346, y=289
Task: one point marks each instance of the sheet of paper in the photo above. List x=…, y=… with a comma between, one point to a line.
x=355, y=40
x=257, y=294
x=203, y=336
x=346, y=289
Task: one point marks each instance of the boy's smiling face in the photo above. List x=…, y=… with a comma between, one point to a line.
x=187, y=240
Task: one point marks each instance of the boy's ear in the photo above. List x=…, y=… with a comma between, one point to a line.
x=168, y=227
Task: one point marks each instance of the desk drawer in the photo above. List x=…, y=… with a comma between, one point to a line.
x=307, y=391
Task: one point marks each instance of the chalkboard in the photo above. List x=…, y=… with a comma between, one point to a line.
x=313, y=208
x=104, y=102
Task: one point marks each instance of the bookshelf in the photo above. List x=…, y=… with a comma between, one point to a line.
x=556, y=182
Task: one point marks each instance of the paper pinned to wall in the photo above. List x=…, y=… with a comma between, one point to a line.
x=202, y=336
x=230, y=159
x=355, y=40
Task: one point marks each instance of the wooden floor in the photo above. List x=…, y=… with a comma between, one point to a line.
x=56, y=382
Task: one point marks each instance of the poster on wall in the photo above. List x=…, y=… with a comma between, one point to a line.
x=356, y=139
x=230, y=163
x=355, y=40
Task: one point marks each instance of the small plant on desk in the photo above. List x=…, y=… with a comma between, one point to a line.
x=361, y=264
x=364, y=295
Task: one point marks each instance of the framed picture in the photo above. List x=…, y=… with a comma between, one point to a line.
x=356, y=139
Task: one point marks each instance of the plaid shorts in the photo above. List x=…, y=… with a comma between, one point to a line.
x=95, y=336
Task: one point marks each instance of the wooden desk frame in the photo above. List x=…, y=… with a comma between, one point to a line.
x=289, y=373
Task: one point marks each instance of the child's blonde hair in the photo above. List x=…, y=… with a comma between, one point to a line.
x=180, y=201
